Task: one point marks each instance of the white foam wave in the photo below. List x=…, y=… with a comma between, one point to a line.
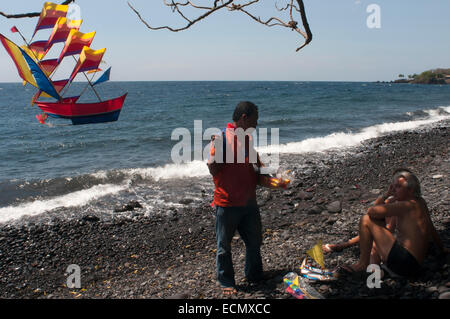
x=78, y=198
x=100, y=174
x=317, y=144
x=170, y=171
x=344, y=140
x=438, y=112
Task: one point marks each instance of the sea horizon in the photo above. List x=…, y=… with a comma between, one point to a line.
x=320, y=81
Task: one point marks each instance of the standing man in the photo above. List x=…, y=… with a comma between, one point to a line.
x=235, y=183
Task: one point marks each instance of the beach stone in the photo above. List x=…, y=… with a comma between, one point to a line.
x=323, y=288
x=443, y=289
x=123, y=208
x=314, y=210
x=334, y=207
x=320, y=200
x=305, y=195
x=437, y=176
x=288, y=193
x=90, y=218
x=445, y=295
x=331, y=220
x=179, y=296
x=431, y=289
x=286, y=234
x=266, y=195
x=354, y=195
x=134, y=204
x=171, y=215
x=186, y=201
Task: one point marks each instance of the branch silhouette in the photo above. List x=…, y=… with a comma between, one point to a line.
x=244, y=7
x=289, y=22
x=30, y=14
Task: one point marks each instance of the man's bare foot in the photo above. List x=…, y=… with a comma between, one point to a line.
x=328, y=248
x=229, y=291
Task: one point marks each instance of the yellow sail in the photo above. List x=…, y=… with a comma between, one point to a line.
x=316, y=253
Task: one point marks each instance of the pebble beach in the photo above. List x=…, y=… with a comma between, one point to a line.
x=171, y=254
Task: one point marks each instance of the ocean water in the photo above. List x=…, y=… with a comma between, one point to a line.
x=70, y=170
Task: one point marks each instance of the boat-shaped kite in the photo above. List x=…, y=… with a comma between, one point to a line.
x=38, y=71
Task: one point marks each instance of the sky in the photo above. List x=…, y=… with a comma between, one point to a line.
x=413, y=36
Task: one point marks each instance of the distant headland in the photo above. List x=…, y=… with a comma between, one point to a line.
x=435, y=76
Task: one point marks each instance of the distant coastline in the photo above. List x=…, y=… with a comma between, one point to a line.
x=435, y=76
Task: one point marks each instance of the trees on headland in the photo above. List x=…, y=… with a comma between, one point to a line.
x=435, y=76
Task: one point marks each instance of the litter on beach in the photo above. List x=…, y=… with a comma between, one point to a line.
x=313, y=273
x=299, y=288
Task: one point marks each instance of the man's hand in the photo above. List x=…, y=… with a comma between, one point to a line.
x=390, y=200
x=390, y=191
x=383, y=199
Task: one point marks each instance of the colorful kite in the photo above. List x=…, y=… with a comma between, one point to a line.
x=299, y=287
x=33, y=69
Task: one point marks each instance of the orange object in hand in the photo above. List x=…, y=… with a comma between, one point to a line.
x=273, y=182
x=285, y=182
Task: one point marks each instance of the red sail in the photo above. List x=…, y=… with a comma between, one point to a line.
x=61, y=30
x=75, y=43
x=50, y=14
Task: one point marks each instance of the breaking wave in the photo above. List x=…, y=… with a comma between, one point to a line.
x=77, y=191
x=350, y=139
x=75, y=199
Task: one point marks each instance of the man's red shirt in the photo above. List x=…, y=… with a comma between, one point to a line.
x=235, y=183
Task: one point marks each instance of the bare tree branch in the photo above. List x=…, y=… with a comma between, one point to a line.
x=217, y=5
x=29, y=15
x=305, y=23
x=231, y=5
x=191, y=22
